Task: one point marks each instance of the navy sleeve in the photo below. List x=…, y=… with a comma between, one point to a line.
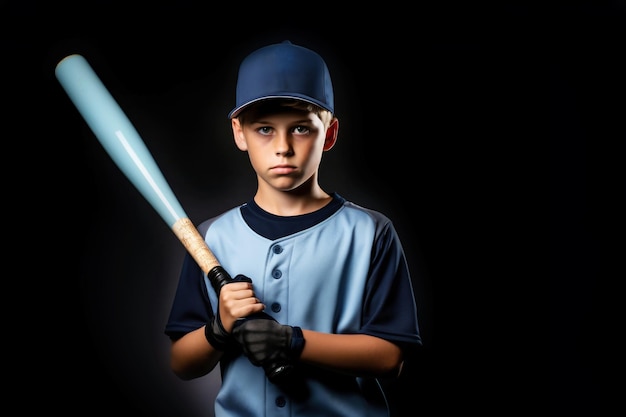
x=390, y=310
x=191, y=308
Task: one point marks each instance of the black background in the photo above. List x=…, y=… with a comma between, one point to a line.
x=442, y=113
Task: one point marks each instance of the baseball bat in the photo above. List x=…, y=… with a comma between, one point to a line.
x=122, y=142
x=125, y=146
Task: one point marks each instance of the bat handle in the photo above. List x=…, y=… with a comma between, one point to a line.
x=218, y=277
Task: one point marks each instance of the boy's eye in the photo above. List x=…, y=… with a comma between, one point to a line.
x=298, y=130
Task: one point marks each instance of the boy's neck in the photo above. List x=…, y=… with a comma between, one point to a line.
x=291, y=203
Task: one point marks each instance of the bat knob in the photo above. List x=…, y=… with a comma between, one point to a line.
x=279, y=372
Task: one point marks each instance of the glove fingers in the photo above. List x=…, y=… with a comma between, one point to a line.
x=262, y=340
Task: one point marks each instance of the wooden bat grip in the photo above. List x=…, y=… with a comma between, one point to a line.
x=191, y=239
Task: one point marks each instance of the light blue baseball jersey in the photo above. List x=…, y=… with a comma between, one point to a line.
x=340, y=269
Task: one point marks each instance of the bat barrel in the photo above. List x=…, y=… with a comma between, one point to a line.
x=117, y=135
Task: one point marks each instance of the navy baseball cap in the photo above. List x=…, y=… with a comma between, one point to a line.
x=283, y=70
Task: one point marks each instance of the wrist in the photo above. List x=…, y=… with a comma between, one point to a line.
x=216, y=335
x=297, y=343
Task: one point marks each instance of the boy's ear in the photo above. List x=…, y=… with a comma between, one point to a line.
x=240, y=139
x=331, y=134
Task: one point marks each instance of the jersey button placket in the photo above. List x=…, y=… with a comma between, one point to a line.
x=276, y=274
x=278, y=289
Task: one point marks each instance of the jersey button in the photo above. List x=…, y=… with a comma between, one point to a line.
x=276, y=307
x=277, y=274
x=280, y=401
x=277, y=249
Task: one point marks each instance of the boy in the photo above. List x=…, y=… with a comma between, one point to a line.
x=321, y=307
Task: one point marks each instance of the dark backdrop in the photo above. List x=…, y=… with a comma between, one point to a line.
x=440, y=111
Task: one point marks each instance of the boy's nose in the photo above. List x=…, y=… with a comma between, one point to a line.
x=283, y=144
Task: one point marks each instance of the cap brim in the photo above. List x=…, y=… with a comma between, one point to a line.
x=235, y=112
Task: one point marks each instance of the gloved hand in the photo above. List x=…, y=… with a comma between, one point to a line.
x=267, y=343
x=214, y=331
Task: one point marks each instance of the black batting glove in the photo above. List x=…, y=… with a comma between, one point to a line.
x=267, y=343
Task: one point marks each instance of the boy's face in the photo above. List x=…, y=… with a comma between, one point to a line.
x=285, y=147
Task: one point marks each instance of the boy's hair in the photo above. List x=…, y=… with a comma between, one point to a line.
x=278, y=105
